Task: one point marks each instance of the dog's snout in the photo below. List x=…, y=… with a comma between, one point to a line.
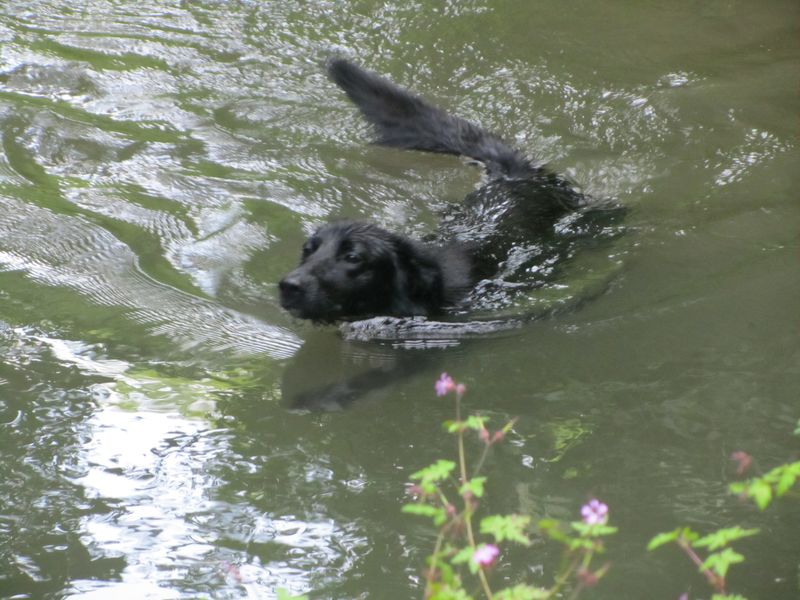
x=291, y=286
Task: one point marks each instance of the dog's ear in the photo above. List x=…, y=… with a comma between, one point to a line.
x=419, y=281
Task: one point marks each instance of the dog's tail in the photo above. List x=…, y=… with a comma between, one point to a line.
x=403, y=120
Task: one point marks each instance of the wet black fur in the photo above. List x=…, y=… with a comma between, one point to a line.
x=354, y=269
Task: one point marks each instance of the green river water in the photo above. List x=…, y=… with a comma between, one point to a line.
x=161, y=164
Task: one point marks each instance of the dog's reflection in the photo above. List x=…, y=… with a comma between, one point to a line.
x=329, y=373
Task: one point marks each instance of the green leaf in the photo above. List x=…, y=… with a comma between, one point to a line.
x=681, y=533
x=438, y=471
x=445, y=591
x=439, y=515
x=664, y=538
x=761, y=493
x=723, y=537
x=582, y=544
x=594, y=530
x=727, y=597
x=476, y=422
x=739, y=488
x=776, y=483
x=462, y=556
x=719, y=562
x=509, y=426
x=552, y=529
x=688, y=535
x=448, y=575
x=547, y=524
x=442, y=570
x=788, y=475
x=472, y=422
x=474, y=486
x=510, y=527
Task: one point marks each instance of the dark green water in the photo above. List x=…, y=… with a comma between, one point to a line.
x=161, y=163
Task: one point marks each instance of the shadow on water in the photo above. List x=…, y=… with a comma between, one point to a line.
x=346, y=371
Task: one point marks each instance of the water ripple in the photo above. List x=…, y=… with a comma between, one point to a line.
x=59, y=250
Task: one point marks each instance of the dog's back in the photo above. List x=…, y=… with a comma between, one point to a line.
x=520, y=202
x=507, y=234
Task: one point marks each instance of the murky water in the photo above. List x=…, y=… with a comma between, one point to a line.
x=161, y=163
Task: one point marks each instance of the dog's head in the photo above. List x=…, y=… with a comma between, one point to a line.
x=353, y=270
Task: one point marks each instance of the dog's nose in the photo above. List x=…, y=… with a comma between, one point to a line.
x=290, y=286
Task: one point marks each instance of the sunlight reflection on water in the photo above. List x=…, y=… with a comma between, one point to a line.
x=149, y=465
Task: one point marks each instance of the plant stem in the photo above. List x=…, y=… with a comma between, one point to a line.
x=562, y=578
x=717, y=582
x=462, y=464
x=434, y=559
x=578, y=589
x=479, y=464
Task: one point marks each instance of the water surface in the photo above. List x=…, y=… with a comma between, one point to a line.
x=161, y=163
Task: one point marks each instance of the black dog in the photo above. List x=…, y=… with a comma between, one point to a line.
x=355, y=270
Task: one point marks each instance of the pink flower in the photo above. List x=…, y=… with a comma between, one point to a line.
x=587, y=578
x=414, y=490
x=594, y=512
x=444, y=385
x=483, y=435
x=743, y=461
x=485, y=555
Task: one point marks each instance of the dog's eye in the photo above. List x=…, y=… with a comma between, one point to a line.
x=352, y=258
x=309, y=248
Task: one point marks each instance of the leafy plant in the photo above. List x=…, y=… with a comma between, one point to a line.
x=716, y=564
x=762, y=490
x=448, y=495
